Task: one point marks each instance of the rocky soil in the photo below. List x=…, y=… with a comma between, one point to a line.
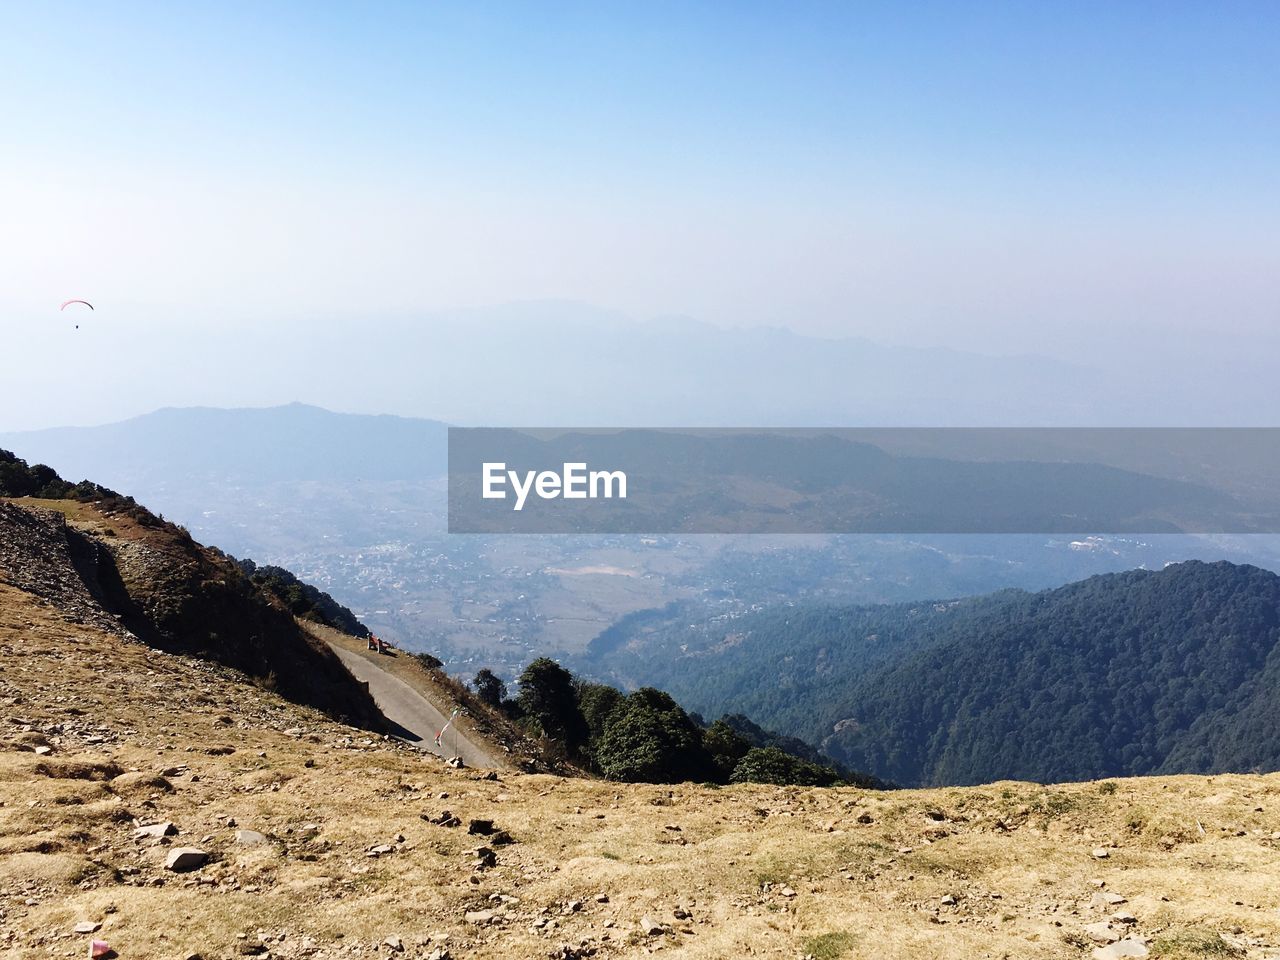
x=159, y=805
x=136, y=573
x=166, y=807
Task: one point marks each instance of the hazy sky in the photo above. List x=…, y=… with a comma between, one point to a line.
x=1006, y=176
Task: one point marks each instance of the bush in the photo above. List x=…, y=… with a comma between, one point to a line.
x=428, y=661
x=650, y=738
x=771, y=765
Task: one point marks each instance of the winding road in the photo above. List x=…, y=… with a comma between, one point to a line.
x=420, y=718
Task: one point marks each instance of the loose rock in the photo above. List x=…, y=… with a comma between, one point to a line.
x=185, y=858
x=1129, y=947
x=155, y=831
x=651, y=928
x=1101, y=933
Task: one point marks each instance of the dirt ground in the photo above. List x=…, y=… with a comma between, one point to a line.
x=99, y=736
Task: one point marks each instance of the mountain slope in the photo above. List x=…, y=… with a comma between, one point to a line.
x=113, y=564
x=324, y=842
x=1123, y=674
x=1118, y=675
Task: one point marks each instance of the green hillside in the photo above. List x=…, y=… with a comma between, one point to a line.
x=1176, y=671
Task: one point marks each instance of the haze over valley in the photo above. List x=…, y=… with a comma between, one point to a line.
x=356, y=504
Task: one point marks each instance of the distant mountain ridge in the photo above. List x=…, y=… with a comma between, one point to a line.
x=252, y=445
x=558, y=363
x=1176, y=671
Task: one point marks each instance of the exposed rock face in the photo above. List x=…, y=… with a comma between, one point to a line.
x=41, y=554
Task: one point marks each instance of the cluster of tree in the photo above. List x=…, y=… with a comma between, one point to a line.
x=302, y=599
x=645, y=736
x=1143, y=672
x=17, y=479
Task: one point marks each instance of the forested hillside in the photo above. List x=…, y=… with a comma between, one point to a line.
x=1124, y=674
x=646, y=737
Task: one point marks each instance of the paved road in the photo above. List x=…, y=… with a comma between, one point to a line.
x=420, y=717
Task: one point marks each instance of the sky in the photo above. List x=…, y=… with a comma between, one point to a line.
x=1002, y=177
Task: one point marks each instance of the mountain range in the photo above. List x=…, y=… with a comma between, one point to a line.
x=599, y=367
x=356, y=505
x=199, y=445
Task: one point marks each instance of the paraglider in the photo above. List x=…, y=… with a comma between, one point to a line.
x=67, y=303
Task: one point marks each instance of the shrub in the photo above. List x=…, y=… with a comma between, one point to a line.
x=428, y=661
x=771, y=765
x=829, y=946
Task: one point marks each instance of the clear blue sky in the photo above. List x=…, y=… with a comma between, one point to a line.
x=988, y=174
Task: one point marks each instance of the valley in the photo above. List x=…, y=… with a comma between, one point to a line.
x=369, y=527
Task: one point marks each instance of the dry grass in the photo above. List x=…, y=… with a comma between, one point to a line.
x=88, y=516
x=759, y=871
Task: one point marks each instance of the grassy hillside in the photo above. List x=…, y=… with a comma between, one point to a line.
x=350, y=863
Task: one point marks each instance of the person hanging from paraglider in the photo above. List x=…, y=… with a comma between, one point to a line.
x=67, y=303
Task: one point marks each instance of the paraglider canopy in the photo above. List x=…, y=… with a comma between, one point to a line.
x=67, y=303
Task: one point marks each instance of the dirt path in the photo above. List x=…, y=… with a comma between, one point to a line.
x=419, y=717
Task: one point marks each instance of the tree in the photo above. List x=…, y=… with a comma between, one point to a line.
x=726, y=747
x=650, y=738
x=598, y=701
x=547, y=696
x=19, y=480
x=490, y=688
